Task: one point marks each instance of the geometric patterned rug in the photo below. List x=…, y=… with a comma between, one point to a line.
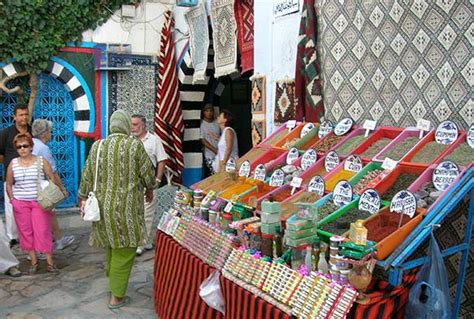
x=398, y=61
x=285, y=101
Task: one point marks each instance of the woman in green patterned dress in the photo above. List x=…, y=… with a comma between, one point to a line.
x=125, y=173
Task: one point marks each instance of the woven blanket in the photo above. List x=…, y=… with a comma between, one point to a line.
x=398, y=61
x=224, y=38
x=243, y=10
x=308, y=86
x=285, y=106
x=259, y=93
x=258, y=131
x=196, y=19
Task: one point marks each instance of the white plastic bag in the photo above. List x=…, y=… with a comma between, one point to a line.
x=210, y=292
x=91, y=209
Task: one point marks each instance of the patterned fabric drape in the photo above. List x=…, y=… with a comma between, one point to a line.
x=309, y=104
x=285, y=104
x=258, y=108
x=196, y=18
x=243, y=10
x=169, y=124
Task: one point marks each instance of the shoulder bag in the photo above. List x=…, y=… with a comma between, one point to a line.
x=91, y=208
x=49, y=196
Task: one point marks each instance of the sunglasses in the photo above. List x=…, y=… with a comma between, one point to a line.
x=22, y=146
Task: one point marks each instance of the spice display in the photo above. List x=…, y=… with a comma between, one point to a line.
x=278, y=136
x=342, y=224
x=402, y=182
x=429, y=152
x=321, y=172
x=402, y=148
x=251, y=155
x=462, y=155
x=289, y=144
x=326, y=209
x=383, y=224
x=333, y=180
x=327, y=143
x=252, y=197
x=281, y=196
x=288, y=208
x=376, y=147
x=427, y=195
x=239, y=187
x=348, y=146
x=366, y=179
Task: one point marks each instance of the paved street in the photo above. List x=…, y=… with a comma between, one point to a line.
x=80, y=290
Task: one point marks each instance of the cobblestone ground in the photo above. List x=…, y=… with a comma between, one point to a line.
x=80, y=290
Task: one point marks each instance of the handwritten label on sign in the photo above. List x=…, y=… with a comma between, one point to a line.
x=260, y=173
x=296, y=182
x=228, y=207
x=389, y=164
x=244, y=169
x=342, y=193
x=404, y=202
x=369, y=125
x=316, y=185
x=284, y=7
x=444, y=175
x=324, y=129
x=309, y=158
x=423, y=126
x=331, y=161
x=291, y=124
x=292, y=156
x=370, y=201
x=470, y=136
x=343, y=126
x=446, y=133
x=230, y=165
x=277, y=179
x=306, y=129
x=353, y=163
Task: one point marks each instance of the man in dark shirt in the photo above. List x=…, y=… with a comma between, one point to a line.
x=8, y=153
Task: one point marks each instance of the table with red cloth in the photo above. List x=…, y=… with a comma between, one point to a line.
x=178, y=274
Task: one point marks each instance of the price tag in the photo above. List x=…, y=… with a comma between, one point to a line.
x=446, y=133
x=353, y=163
x=324, y=129
x=331, y=161
x=370, y=201
x=444, y=175
x=277, y=179
x=470, y=136
x=309, y=158
x=292, y=156
x=389, y=164
x=230, y=165
x=369, y=125
x=291, y=124
x=228, y=207
x=295, y=183
x=306, y=129
x=343, y=126
x=260, y=173
x=423, y=126
x=244, y=169
x=316, y=185
x=404, y=202
x=342, y=193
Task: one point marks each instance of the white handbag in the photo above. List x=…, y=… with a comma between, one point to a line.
x=91, y=208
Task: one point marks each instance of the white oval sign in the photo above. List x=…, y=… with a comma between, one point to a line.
x=404, y=202
x=342, y=193
x=370, y=201
x=277, y=179
x=324, y=129
x=353, y=163
x=470, y=136
x=444, y=175
x=244, y=169
x=292, y=156
x=331, y=161
x=230, y=165
x=446, y=133
x=260, y=173
x=309, y=158
x=316, y=185
x=343, y=126
x=306, y=129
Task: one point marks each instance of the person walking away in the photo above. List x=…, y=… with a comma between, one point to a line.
x=8, y=262
x=227, y=146
x=24, y=176
x=156, y=153
x=210, y=133
x=124, y=173
x=8, y=152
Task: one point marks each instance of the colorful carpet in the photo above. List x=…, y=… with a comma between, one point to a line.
x=243, y=10
x=285, y=104
x=196, y=18
x=397, y=61
x=225, y=40
x=258, y=131
x=259, y=94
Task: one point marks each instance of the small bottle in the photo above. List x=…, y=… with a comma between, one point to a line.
x=358, y=233
x=315, y=255
x=277, y=245
x=308, y=258
x=323, y=266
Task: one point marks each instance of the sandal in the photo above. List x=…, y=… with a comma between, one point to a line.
x=52, y=269
x=33, y=269
x=125, y=301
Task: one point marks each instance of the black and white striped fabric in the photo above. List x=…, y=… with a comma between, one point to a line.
x=25, y=186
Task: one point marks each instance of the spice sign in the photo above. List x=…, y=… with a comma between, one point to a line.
x=343, y=126
x=370, y=201
x=284, y=7
x=291, y=125
x=292, y=155
x=309, y=158
x=277, y=179
x=230, y=165
x=444, y=175
x=244, y=169
x=389, y=164
x=404, y=202
x=260, y=173
x=324, y=129
x=342, y=193
x=316, y=185
x=369, y=125
x=423, y=125
x=470, y=136
x=228, y=207
x=446, y=133
x=353, y=163
x=331, y=161
x=306, y=129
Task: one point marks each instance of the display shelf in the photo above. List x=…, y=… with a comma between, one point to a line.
x=388, y=132
x=406, y=133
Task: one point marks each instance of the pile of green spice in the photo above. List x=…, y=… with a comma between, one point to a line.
x=403, y=181
x=326, y=209
x=366, y=179
x=350, y=145
x=342, y=224
x=462, y=155
x=429, y=152
x=402, y=148
x=376, y=147
x=327, y=143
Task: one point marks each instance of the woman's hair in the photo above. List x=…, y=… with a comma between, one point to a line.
x=206, y=107
x=228, y=116
x=40, y=127
x=22, y=137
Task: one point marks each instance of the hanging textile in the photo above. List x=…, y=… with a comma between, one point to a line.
x=285, y=106
x=258, y=131
x=243, y=10
x=224, y=37
x=196, y=19
x=308, y=86
x=169, y=117
x=258, y=108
